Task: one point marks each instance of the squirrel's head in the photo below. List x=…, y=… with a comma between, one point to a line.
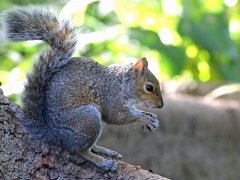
x=147, y=86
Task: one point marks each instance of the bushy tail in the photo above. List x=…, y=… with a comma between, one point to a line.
x=35, y=23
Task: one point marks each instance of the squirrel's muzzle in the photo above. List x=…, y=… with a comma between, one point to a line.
x=160, y=104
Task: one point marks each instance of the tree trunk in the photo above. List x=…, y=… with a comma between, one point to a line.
x=25, y=158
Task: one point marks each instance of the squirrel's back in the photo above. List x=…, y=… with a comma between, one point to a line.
x=36, y=23
x=79, y=82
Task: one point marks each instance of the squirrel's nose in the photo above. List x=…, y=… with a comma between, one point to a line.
x=160, y=104
x=159, y=107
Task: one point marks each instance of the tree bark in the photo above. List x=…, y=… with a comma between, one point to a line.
x=25, y=158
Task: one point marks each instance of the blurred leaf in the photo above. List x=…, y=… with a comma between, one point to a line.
x=173, y=59
x=231, y=71
x=211, y=33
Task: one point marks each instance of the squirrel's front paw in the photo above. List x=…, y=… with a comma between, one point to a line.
x=152, y=122
x=151, y=126
x=150, y=114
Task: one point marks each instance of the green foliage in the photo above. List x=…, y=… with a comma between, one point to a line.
x=186, y=39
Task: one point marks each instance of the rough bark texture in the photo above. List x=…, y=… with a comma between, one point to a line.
x=196, y=139
x=22, y=158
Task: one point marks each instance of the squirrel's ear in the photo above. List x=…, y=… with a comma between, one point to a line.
x=139, y=67
x=145, y=62
x=140, y=64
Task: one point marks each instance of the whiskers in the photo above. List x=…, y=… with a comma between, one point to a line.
x=130, y=128
x=135, y=127
x=125, y=134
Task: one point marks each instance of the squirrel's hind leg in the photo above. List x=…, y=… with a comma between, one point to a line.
x=105, y=163
x=107, y=152
x=86, y=123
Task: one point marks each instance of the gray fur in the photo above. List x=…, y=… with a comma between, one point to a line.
x=67, y=100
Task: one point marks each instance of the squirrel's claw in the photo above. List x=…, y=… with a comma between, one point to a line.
x=152, y=124
x=114, y=154
x=108, y=164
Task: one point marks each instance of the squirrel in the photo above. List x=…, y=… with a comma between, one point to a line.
x=67, y=100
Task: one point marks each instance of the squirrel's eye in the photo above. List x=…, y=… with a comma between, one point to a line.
x=149, y=87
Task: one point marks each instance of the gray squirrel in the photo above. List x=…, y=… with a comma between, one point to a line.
x=67, y=100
